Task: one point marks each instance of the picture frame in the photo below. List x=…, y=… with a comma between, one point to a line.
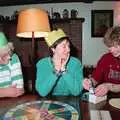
x=101, y=20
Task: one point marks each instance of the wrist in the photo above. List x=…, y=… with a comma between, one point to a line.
x=58, y=73
x=109, y=86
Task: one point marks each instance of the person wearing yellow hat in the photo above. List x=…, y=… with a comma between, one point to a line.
x=59, y=74
x=11, y=78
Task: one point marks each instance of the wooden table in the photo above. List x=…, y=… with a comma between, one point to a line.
x=83, y=107
x=100, y=111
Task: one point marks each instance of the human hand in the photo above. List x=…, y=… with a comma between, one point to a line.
x=18, y=84
x=64, y=62
x=101, y=90
x=12, y=91
x=86, y=84
x=57, y=62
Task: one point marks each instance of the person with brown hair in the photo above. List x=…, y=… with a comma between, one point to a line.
x=59, y=74
x=106, y=76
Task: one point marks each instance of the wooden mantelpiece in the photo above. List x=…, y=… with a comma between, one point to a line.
x=66, y=20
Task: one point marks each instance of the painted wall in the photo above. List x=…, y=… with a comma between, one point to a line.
x=93, y=48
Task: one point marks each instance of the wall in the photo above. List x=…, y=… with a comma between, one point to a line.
x=93, y=48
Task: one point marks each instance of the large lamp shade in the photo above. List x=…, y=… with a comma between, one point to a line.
x=33, y=20
x=33, y=23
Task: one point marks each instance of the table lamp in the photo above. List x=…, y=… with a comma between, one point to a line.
x=33, y=23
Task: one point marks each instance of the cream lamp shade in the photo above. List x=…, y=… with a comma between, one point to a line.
x=33, y=20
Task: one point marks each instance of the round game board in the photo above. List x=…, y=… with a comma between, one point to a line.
x=60, y=110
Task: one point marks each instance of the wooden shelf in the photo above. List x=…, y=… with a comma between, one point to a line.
x=66, y=20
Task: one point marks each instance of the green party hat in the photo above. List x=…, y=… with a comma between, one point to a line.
x=3, y=40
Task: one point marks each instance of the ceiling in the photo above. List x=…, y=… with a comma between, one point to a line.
x=24, y=2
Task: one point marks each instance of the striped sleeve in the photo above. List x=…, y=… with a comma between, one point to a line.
x=16, y=72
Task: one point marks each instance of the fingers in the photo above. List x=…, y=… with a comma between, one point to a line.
x=86, y=84
x=19, y=92
x=101, y=90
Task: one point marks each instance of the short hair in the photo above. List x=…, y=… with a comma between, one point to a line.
x=112, y=36
x=56, y=43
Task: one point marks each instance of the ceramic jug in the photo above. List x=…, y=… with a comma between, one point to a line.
x=74, y=13
x=65, y=13
x=56, y=15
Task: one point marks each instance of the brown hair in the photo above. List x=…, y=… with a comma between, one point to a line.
x=56, y=43
x=112, y=36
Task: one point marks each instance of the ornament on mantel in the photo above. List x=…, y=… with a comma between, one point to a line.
x=14, y=16
x=74, y=13
x=65, y=14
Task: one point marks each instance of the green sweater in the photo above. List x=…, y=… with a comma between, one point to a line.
x=70, y=83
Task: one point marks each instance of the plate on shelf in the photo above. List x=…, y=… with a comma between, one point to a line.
x=61, y=111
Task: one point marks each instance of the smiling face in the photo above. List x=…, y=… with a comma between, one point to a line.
x=62, y=49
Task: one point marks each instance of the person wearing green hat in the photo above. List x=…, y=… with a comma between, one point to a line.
x=11, y=78
x=59, y=74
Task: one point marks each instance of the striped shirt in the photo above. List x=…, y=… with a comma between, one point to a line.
x=11, y=73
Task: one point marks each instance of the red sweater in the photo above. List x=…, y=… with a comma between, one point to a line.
x=107, y=69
